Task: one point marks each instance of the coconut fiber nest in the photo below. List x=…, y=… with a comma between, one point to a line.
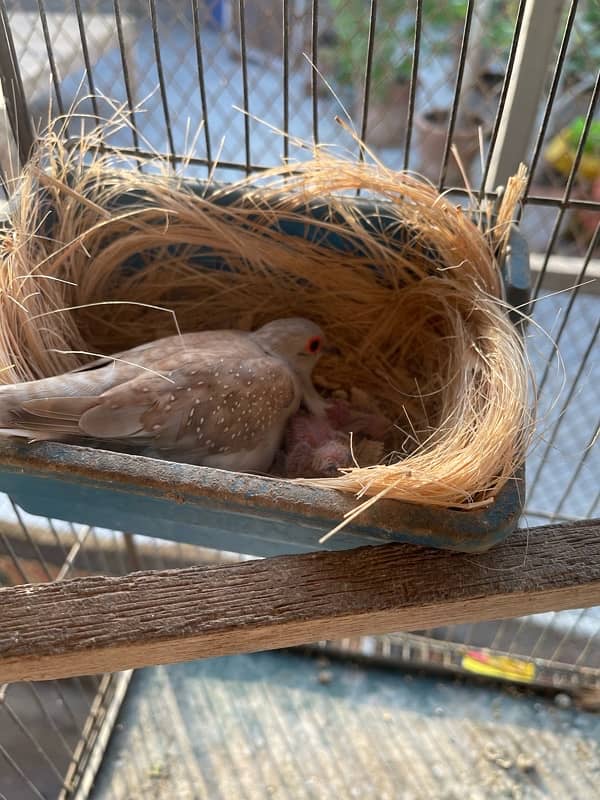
x=406, y=285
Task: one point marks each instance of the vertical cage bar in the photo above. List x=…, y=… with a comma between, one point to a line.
x=51, y=59
x=368, y=70
x=569, y=184
x=161, y=82
x=16, y=561
x=75, y=549
x=503, y=95
x=556, y=76
x=457, y=92
x=3, y=182
x=286, y=78
x=482, y=13
x=126, y=551
x=86, y=60
x=126, y=76
x=414, y=76
x=541, y=22
x=314, y=57
x=31, y=540
x=78, y=545
x=12, y=88
x=201, y=81
x=245, y=90
x=57, y=538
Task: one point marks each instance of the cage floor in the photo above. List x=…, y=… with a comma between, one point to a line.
x=282, y=725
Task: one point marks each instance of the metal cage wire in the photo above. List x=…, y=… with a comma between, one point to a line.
x=228, y=64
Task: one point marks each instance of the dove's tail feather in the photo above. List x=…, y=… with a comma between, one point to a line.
x=19, y=415
x=30, y=435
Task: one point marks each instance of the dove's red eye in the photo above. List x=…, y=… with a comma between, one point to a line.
x=313, y=345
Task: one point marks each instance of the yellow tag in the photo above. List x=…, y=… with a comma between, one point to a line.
x=510, y=669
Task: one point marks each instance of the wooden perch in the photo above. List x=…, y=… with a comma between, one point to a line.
x=99, y=624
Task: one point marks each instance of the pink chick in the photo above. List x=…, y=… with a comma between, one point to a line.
x=313, y=448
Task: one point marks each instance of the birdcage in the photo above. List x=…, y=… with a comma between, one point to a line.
x=506, y=82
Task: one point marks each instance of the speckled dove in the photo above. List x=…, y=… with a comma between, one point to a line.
x=216, y=398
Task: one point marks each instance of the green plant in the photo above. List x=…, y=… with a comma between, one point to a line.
x=440, y=23
x=592, y=142
x=391, y=60
x=499, y=28
x=393, y=40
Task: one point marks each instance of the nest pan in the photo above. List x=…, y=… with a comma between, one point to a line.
x=413, y=304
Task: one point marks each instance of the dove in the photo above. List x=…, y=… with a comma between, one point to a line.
x=215, y=398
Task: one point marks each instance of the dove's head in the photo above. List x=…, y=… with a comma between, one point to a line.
x=300, y=343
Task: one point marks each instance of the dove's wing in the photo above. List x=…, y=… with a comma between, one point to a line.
x=55, y=405
x=227, y=410
x=206, y=406
x=145, y=355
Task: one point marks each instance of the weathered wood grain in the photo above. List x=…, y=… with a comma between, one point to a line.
x=97, y=624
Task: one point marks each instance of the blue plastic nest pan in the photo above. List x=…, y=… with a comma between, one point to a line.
x=243, y=513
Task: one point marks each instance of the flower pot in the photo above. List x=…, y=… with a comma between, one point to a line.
x=431, y=129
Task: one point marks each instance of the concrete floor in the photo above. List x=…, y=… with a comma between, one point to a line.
x=282, y=725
